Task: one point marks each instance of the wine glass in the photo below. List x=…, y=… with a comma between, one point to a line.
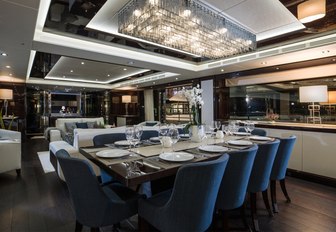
x=250, y=127
x=129, y=132
x=174, y=136
x=138, y=130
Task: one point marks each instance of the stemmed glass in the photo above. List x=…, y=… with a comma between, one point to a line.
x=129, y=132
x=250, y=127
x=138, y=130
x=174, y=136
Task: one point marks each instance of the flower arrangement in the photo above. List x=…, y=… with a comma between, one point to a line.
x=194, y=97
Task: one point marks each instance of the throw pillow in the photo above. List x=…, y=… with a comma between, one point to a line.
x=82, y=125
x=92, y=125
x=70, y=126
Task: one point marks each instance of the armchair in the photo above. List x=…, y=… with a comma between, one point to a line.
x=10, y=151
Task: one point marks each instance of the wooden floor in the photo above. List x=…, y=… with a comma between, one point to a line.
x=40, y=202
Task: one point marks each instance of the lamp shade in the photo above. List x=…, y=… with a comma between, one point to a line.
x=126, y=99
x=311, y=10
x=331, y=98
x=316, y=93
x=178, y=97
x=6, y=94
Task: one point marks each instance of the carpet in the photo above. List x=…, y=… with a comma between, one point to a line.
x=45, y=161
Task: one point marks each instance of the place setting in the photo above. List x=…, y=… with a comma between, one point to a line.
x=239, y=144
x=113, y=156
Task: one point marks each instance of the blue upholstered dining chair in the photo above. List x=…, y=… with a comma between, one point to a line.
x=256, y=131
x=279, y=168
x=232, y=191
x=95, y=206
x=147, y=134
x=101, y=140
x=259, y=179
x=190, y=204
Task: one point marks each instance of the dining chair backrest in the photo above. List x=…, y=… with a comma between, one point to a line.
x=233, y=187
x=147, y=134
x=258, y=131
x=101, y=140
x=282, y=157
x=192, y=202
x=87, y=196
x=262, y=166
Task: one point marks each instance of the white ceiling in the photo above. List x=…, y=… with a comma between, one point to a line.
x=19, y=36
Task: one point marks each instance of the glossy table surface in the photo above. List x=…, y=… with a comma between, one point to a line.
x=144, y=164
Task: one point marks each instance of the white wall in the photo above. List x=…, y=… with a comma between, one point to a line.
x=208, y=107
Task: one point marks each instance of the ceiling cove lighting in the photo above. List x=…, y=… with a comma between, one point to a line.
x=186, y=25
x=311, y=10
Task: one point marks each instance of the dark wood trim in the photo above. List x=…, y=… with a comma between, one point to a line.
x=312, y=177
x=297, y=128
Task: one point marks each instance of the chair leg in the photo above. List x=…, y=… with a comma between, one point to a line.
x=284, y=190
x=143, y=225
x=253, y=202
x=94, y=229
x=243, y=217
x=273, y=196
x=78, y=227
x=18, y=172
x=266, y=201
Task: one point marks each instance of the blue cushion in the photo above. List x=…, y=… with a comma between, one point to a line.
x=82, y=125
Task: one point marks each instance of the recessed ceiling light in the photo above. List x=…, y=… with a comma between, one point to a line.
x=222, y=70
x=293, y=82
x=176, y=78
x=82, y=63
x=334, y=59
x=277, y=68
x=108, y=75
x=4, y=54
x=125, y=69
x=71, y=71
x=264, y=62
x=7, y=66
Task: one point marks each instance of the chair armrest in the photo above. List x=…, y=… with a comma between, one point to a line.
x=55, y=135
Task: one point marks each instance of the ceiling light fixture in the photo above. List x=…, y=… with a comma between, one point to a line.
x=311, y=10
x=187, y=25
x=4, y=54
x=7, y=66
x=125, y=69
x=82, y=63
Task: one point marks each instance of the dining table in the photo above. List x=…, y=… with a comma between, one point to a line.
x=150, y=161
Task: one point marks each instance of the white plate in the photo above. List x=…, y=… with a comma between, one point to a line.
x=112, y=153
x=155, y=139
x=260, y=138
x=122, y=143
x=176, y=156
x=240, y=142
x=212, y=148
x=242, y=133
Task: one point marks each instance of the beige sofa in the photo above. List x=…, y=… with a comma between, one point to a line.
x=56, y=133
x=10, y=151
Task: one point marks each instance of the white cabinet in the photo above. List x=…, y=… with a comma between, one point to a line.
x=319, y=153
x=314, y=152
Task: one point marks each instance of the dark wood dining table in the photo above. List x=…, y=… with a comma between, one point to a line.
x=143, y=163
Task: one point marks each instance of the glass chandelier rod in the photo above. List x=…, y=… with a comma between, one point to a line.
x=185, y=25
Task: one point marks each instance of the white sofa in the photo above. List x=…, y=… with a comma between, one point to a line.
x=56, y=134
x=10, y=151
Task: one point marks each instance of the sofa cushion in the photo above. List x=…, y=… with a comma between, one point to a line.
x=70, y=126
x=82, y=125
x=92, y=125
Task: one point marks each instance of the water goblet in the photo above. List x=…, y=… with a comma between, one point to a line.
x=129, y=132
x=174, y=136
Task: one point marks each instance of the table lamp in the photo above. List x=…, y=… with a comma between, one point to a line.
x=6, y=94
x=316, y=93
x=126, y=99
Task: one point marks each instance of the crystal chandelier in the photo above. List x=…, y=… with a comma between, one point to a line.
x=185, y=25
